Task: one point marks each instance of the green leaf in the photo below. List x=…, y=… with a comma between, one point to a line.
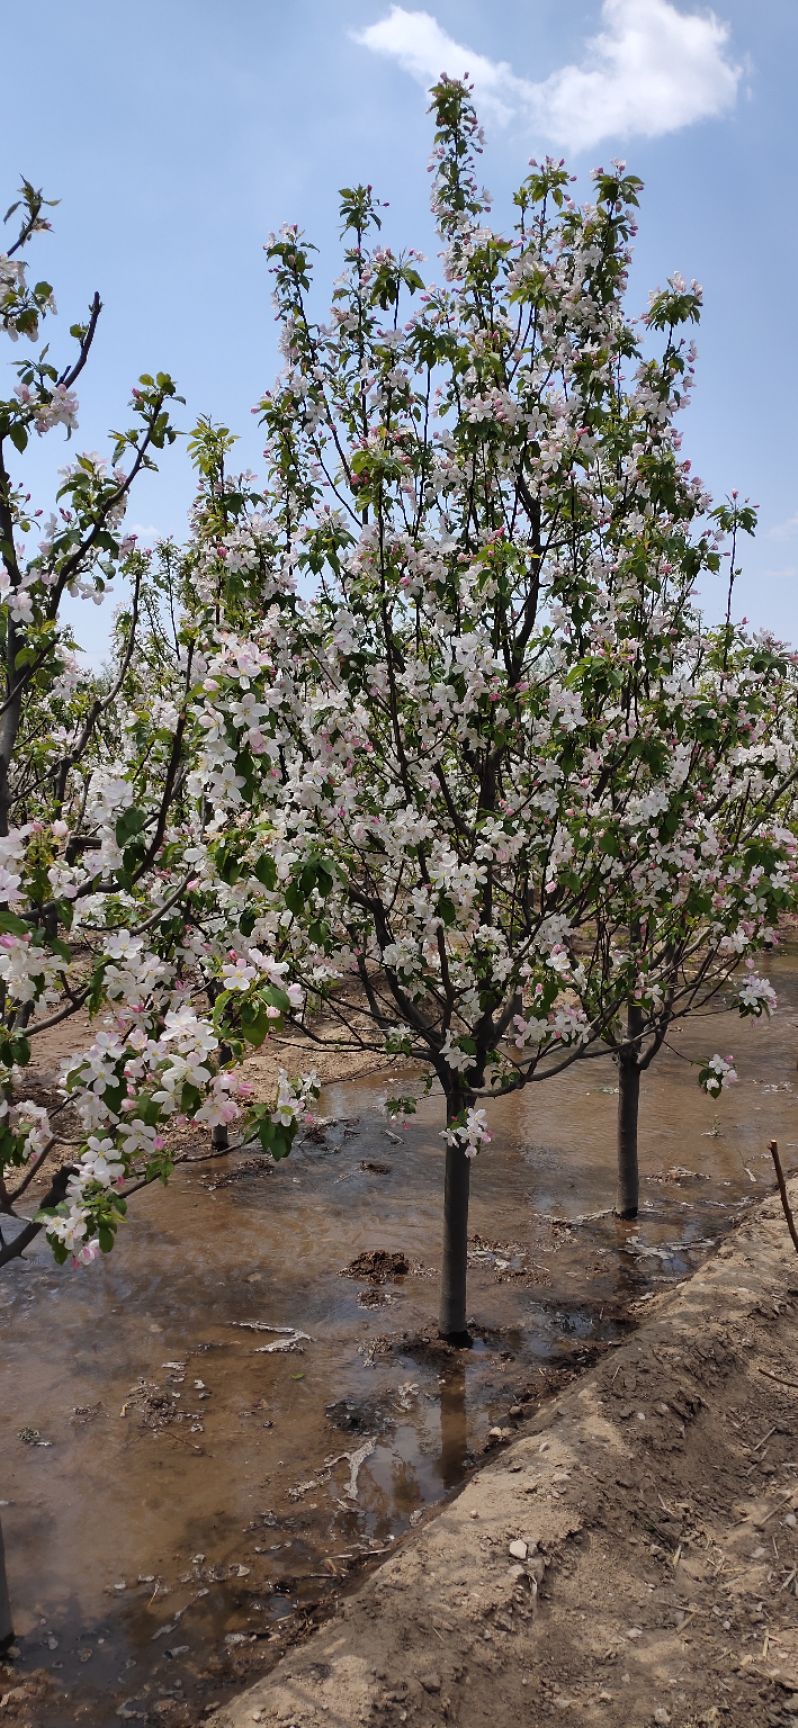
x=282, y=1141
x=11, y=925
x=294, y=898
x=129, y=823
x=266, y=870
x=146, y=1111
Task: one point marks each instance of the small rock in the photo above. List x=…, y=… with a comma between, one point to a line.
x=519, y=1549
x=430, y=1682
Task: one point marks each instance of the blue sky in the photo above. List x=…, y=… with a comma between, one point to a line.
x=177, y=134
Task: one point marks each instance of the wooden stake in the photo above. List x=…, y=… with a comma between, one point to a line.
x=786, y=1207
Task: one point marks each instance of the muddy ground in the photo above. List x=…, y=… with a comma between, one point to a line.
x=214, y=1433
x=632, y=1562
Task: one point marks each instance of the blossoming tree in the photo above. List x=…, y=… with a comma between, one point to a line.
x=701, y=848
x=422, y=614
x=102, y=912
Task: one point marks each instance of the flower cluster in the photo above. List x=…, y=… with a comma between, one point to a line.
x=718, y=1073
x=471, y=1132
x=756, y=996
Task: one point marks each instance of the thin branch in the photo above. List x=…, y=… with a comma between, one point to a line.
x=68, y=377
x=55, y=1194
x=32, y=1170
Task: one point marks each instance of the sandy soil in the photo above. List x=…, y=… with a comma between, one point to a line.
x=300, y=1056
x=631, y=1562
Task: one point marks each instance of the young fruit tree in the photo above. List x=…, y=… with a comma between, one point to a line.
x=467, y=528
x=102, y=913
x=694, y=745
x=701, y=845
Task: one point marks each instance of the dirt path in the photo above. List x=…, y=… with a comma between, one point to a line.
x=632, y=1562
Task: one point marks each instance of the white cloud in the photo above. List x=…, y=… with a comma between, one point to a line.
x=651, y=69
x=424, y=50
x=784, y=530
x=144, y=531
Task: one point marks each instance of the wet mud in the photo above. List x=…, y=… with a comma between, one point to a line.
x=208, y=1434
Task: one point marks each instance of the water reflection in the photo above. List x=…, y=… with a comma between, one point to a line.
x=454, y=1425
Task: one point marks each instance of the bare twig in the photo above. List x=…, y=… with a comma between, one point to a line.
x=769, y=1375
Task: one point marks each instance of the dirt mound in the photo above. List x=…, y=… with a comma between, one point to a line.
x=632, y=1562
x=379, y=1265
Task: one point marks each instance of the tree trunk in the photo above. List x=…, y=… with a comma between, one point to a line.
x=628, y=1105
x=220, y=1139
x=455, y=1234
x=6, y=1626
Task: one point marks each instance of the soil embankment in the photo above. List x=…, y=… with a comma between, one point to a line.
x=631, y=1562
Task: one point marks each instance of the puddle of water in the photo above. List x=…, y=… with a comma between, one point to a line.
x=179, y=1494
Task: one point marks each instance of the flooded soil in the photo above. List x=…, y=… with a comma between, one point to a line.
x=207, y=1433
